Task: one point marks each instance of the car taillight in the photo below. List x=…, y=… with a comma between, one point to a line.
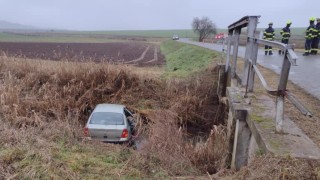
x=124, y=133
x=86, y=131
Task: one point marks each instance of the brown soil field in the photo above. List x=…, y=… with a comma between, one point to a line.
x=136, y=53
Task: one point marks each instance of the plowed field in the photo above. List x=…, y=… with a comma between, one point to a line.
x=140, y=54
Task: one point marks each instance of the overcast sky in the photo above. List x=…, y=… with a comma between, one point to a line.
x=152, y=14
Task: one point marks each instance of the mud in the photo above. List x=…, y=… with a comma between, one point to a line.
x=116, y=52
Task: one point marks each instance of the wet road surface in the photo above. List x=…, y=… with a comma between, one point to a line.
x=306, y=74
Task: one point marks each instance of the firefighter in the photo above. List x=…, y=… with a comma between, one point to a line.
x=268, y=35
x=285, y=33
x=316, y=37
x=309, y=37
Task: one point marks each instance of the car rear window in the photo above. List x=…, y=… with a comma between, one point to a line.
x=107, y=118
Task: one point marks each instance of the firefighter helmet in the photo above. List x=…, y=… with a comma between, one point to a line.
x=289, y=22
x=312, y=19
x=270, y=23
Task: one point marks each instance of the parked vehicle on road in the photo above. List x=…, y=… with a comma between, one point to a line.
x=175, y=37
x=110, y=123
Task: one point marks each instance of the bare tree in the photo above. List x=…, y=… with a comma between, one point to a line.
x=204, y=27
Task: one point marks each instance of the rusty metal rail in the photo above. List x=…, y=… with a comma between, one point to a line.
x=251, y=68
x=264, y=82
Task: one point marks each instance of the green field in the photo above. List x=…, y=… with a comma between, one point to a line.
x=110, y=36
x=91, y=36
x=53, y=37
x=185, y=33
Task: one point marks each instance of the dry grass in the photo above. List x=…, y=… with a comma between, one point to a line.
x=272, y=167
x=55, y=90
x=165, y=153
x=212, y=155
x=44, y=105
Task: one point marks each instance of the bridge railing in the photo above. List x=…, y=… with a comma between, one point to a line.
x=250, y=69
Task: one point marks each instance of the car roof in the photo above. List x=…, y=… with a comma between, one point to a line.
x=117, y=108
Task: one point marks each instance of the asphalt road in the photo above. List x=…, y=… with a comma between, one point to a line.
x=305, y=75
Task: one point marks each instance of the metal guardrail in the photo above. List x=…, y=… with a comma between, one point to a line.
x=291, y=55
x=250, y=67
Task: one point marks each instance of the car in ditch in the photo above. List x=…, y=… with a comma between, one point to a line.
x=110, y=123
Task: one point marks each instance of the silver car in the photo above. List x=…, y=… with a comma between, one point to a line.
x=109, y=123
x=175, y=37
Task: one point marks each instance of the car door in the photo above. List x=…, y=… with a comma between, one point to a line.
x=130, y=119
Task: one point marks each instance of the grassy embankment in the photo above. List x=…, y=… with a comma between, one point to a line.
x=44, y=105
x=183, y=60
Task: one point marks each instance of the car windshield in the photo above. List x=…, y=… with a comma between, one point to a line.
x=107, y=118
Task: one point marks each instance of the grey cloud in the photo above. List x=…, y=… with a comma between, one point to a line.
x=149, y=14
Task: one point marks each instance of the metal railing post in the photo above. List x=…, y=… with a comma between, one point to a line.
x=235, y=51
x=254, y=56
x=228, y=49
x=284, y=76
x=252, y=25
x=281, y=93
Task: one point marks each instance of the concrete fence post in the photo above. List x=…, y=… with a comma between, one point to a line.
x=279, y=114
x=241, y=144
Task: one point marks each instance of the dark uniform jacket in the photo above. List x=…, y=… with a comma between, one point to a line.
x=269, y=34
x=285, y=33
x=318, y=30
x=311, y=32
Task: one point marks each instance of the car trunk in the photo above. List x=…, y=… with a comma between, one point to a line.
x=106, y=132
